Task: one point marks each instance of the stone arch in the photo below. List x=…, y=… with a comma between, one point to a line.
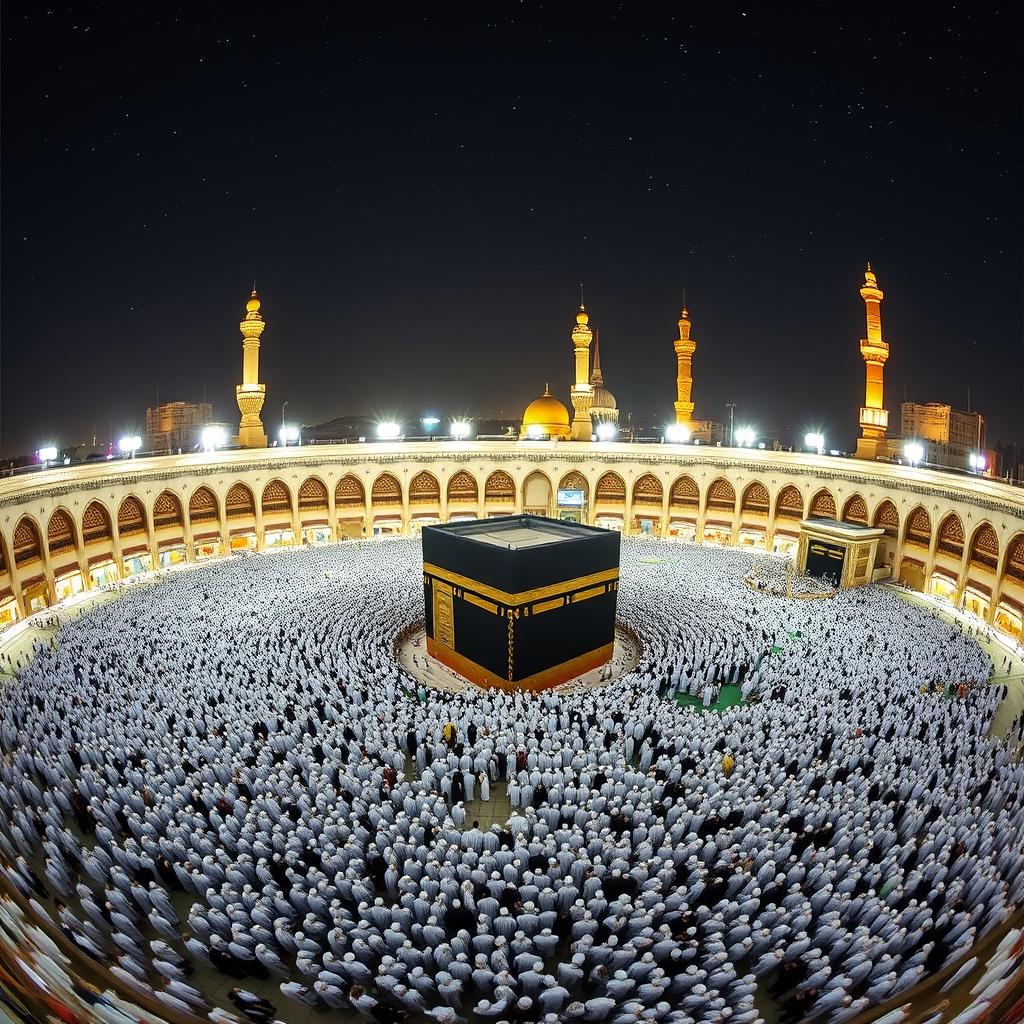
x=575, y=481
x=500, y=487
x=823, y=505
x=647, y=491
x=202, y=506
x=919, y=528
x=755, y=499
x=167, y=511
x=537, y=491
x=855, y=510
x=131, y=517
x=312, y=495
x=96, y=523
x=985, y=547
x=424, y=489
x=386, y=490
x=951, y=536
x=685, y=493
x=611, y=489
x=60, y=532
x=1015, y=559
x=349, y=492
x=462, y=487
x=276, y=498
x=887, y=518
x=240, y=502
x=789, y=504
x=722, y=496
x=26, y=542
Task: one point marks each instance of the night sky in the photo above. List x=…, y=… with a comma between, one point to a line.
x=418, y=198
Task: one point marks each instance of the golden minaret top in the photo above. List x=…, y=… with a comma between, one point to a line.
x=581, y=392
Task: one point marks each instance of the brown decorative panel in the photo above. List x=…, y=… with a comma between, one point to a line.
x=27, y=547
x=276, y=497
x=855, y=510
x=500, y=487
x=685, y=493
x=985, y=548
x=349, y=493
x=131, y=518
x=647, y=491
x=1015, y=559
x=574, y=482
x=789, y=504
x=95, y=523
x=167, y=511
x=239, y=502
x=312, y=495
x=462, y=487
x=611, y=488
x=60, y=532
x=386, y=490
x=919, y=528
x=951, y=536
x=823, y=505
x=755, y=498
x=202, y=506
x=888, y=518
x=721, y=496
x=424, y=489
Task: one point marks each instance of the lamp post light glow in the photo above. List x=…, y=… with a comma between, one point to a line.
x=460, y=430
x=677, y=433
x=535, y=432
x=288, y=434
x=389, y=431
x=213, y=438
x=977, y=461
x=815, y=441
x=913, y=452
x=429, y=422
x=745, y=436
x=45, y=455
x=606, y=431
x=129, y=445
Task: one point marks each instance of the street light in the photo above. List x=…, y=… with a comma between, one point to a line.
x=460, y=430
x=745, y=436
x=606, y=431
x=534, y=432
x=913, y=452
x=129, y=445
x=288, y=434
x=977, y=461
x=212, y=438
x=677, y=433
x=815, y=441
x=45, y=455
x=389, y=431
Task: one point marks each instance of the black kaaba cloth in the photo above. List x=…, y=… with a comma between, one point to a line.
x=520, y=601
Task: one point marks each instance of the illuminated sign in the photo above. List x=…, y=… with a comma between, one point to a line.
x=570, y=498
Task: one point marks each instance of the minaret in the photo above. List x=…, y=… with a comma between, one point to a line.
x=595, y=374
x=250, y=394
x=685, y=346
x=581, y=391
x=874, y=418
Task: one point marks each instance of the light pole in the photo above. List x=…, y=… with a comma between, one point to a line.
x=283, y=407
x=731, y=406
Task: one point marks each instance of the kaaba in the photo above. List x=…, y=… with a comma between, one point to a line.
x=520, y=602
x=839, y=551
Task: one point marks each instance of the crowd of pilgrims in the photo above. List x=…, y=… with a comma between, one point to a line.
x=240, y=740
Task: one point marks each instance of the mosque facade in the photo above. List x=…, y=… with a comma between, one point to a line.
x=75, y=528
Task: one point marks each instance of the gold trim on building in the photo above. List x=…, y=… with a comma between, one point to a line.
x=585, y=595
x=488, y=606
x=547, y=606
x=524, y=596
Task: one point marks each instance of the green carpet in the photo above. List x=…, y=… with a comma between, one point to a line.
x=728, y=697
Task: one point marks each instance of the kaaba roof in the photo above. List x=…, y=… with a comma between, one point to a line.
x=517, y=532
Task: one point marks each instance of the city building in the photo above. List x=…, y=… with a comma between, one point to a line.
x=949, y=437
x=175, y=425
x=707, y=432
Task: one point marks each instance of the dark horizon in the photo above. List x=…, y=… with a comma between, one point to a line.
x=419, y=200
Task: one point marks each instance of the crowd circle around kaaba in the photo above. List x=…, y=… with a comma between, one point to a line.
x=229, y=771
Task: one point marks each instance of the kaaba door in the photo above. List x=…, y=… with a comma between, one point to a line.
x=444, y=614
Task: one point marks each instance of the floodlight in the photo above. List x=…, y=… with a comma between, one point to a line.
x=606, y=431
x=677, y=433
x=212, y=438
x=389, y=431
x=460, y=430
x=914, y=452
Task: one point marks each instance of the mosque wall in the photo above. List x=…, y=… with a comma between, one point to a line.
x=81, y=527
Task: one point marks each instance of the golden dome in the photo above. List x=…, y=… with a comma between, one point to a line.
x=583, y=317
x=253, y=305
x=546, y=417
